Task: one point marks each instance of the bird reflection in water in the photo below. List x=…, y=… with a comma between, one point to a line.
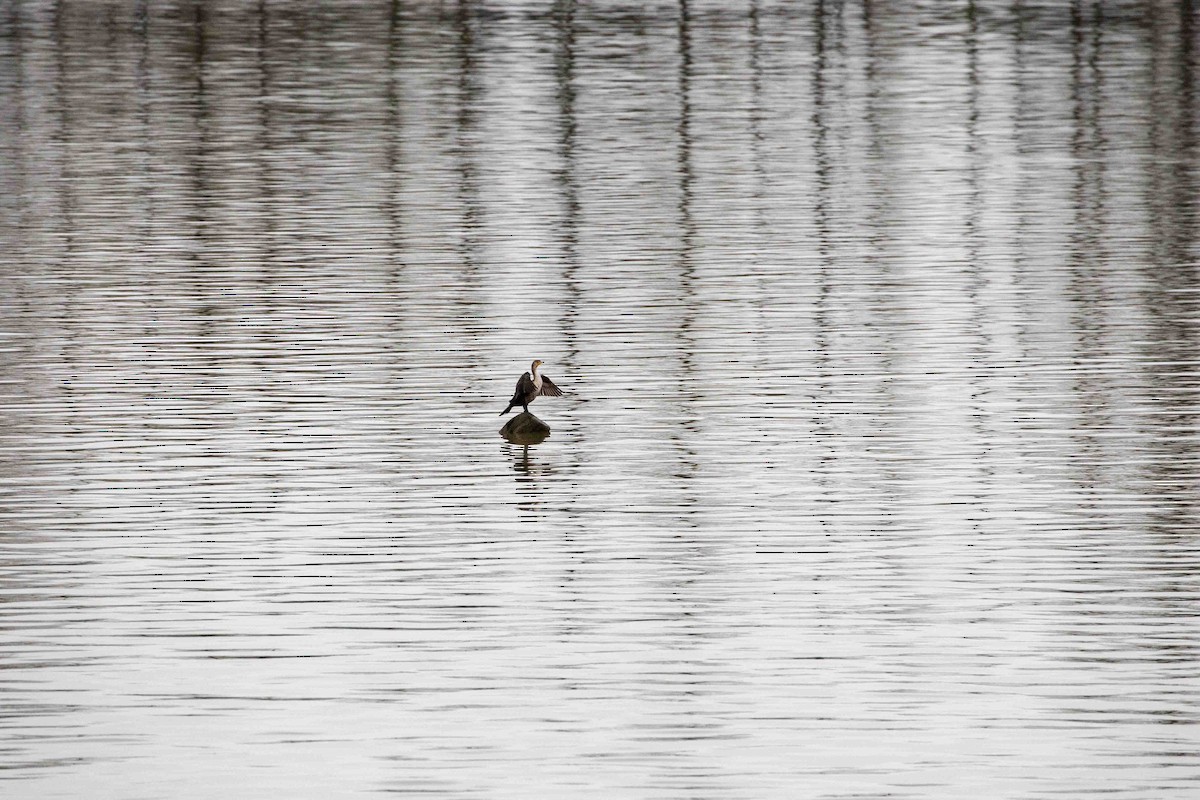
x=526, y=466
x=530, y=473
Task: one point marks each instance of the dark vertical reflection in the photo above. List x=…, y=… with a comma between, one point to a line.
x=974, y=244
x=568, y=128
x=687, y=235
x=267, y=201
x=1087, y=291
x=201, y=189
x=566, y=28
x=467, y=140
x=880, y=182
x=1172, y=123
x=822, y=168
x=12, y=150
x=878, y=210
x=684, y=157
x=822, y=316
x=394, y=136
x=758, y=163
x=62, y=142
x=469, y=51
x=686, y=587
x=62, y=148
x=974, y=148
x=1087, y=142
x=270, y=208
x=16, y=231
x=142, y=73
x=756, y=112
x=1021, y=114
x=209, y=299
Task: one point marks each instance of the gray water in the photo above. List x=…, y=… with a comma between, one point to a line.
x=877, y=472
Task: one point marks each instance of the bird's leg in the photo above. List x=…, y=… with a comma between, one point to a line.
x=527, y=408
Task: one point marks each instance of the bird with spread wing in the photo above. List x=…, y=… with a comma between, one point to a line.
x=531, y=386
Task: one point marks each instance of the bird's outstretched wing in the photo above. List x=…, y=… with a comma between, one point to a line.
x=549, y=389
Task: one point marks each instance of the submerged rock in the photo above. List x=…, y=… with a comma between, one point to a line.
x=525, y=428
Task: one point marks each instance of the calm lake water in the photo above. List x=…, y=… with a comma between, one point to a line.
x=878, y=472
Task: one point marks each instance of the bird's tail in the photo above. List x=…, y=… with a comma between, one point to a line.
x=505, y=411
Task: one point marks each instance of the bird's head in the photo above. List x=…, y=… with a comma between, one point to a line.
x=536, y=363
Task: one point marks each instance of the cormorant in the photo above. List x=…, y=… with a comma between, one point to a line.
x=531, y=386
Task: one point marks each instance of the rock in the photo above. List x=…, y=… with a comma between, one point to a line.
x=525, y=428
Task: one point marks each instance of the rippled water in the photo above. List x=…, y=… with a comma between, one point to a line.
x=878, y=469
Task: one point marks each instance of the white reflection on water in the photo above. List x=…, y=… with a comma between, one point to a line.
x=877, y=473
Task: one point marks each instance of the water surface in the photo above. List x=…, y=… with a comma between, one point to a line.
x=878, y=469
